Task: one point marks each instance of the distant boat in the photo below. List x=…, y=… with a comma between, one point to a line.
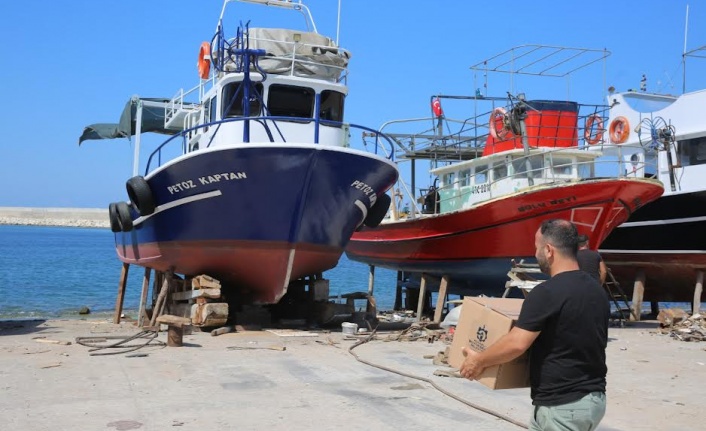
x=663, y=137
x=486, y=207
x=261, y=187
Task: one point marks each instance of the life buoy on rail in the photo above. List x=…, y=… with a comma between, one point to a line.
x=436, y=107
x=204, y=62
x=497, y=114
x=619, y=130
x=588, y=136
x=140, y=195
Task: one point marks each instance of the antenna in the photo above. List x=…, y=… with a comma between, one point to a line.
x=686, y=31
x=338, y=23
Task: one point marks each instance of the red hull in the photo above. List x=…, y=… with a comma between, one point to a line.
x=262, y=269
x=503, y=228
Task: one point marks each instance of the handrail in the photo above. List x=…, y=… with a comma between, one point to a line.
x=184, y=133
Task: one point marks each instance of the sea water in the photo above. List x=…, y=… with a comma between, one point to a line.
x=49, y=272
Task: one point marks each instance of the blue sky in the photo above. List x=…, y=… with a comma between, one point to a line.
x=72, y=63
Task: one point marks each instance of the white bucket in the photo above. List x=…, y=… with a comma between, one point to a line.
x=349, y=328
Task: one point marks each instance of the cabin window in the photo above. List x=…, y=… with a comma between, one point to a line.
x=481, y=175
x=232, y=100
x=331, y=106
x=561, y=165
x=449, y=179
x=499, y=171
x=692, y=151
x=290, y=101
x=212, y=111
x=464, y=178
x=535, y=165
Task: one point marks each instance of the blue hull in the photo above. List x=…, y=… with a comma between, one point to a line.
x=258, y=215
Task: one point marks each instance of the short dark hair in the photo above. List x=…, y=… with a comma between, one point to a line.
x=562, y=234
x=582, y=239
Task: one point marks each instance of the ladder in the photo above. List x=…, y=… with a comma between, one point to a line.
x=620, y=300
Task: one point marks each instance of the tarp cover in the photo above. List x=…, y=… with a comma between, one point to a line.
x=152, y=121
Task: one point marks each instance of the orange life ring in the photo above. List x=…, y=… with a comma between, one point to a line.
x=619, y=130
x=497, y=114
x=204, y=62
x=588, y=127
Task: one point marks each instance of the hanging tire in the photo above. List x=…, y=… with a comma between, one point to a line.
x=140, y=195
x=378, y=211
x=124, y=218
x=113, y=216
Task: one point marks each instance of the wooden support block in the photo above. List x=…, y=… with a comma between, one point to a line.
x=209, y=314
x=204, y=281
x=638, y=294
x=199, y=293
x=698, y=290
x=176, y=324
x=161, y=299
x=441, y=299
x=121, y=293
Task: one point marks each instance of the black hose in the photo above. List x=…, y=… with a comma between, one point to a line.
x=96, y=343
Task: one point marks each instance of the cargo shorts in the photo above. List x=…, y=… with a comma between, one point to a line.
x=582, y=415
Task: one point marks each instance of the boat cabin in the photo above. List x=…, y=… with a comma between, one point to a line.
x=468, y=183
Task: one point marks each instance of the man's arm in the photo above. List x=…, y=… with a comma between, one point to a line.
x=507, y=348
x=603, y=271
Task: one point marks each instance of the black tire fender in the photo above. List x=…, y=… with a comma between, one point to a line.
x=124, y=216
x=378, y=211
x=140, y=195
x=113, y=217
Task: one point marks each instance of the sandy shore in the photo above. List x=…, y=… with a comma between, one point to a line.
x=654, y=383
x=68, y=217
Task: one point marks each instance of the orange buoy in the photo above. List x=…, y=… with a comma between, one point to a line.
x=204, y=62
x=593, y=139
x=495, y=132
x=619, y=130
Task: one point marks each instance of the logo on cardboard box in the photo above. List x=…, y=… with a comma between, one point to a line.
x=482, y=334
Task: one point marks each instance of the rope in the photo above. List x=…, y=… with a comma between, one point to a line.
x=96, y=343
x=434, y=385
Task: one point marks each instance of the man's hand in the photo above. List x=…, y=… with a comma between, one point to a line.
x=472, y=366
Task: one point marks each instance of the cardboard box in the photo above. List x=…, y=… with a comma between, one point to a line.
x=482, y=322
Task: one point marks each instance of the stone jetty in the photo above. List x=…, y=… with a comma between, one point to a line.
x=66, y=217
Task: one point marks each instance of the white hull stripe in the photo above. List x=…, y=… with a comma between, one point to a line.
x=662, y=222
x=178, y=202
x=363, y=209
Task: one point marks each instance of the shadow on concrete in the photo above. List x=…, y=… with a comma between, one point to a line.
x=21, y=327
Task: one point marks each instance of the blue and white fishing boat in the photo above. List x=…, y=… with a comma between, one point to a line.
x=264, y=188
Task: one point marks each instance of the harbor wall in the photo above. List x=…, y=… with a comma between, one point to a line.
x=66, y=217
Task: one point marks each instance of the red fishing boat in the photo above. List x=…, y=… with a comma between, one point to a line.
x=492, y=190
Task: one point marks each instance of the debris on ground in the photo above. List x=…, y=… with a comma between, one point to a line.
x=678, y=324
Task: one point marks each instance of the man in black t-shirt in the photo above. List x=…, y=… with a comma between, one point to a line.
x=590, y=260
x=565, y=321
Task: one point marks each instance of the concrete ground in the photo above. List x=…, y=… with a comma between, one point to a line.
x=654, y=383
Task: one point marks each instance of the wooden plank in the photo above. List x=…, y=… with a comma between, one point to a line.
x=200, y=293
x=171, y=320
x=441, y=299
x=698, y=289
x=161, y=299
x=638, y=295
x=143, y=297
x=121, y=293
x=422, y=295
